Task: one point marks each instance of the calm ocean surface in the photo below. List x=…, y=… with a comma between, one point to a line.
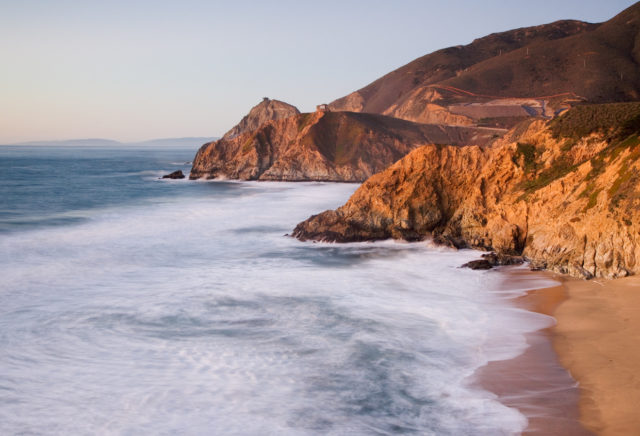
x=132, y=305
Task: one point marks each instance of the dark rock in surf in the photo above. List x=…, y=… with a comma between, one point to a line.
x=174, y=175
x=489, y=260
x=478, y=264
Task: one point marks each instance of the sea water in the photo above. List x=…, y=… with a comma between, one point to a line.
x=134, y=305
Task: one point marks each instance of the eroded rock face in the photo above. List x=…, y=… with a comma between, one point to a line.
x=418, y=108
x=327, y=146
x=266, y=110
x=570, y=204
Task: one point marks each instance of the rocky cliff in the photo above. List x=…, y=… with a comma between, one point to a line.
x=328, y=146
x=564, y=193
x=266, y=110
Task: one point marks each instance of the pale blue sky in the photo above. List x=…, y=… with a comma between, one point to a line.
x=134, y=70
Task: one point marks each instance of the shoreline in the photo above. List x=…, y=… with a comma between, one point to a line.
x=597, y=339
x=535, y=382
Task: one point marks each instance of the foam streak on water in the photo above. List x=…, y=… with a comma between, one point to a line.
x=197, y=316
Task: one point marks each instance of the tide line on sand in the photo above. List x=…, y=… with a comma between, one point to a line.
x=535, y=382
x=581, y=376
x=598, y=340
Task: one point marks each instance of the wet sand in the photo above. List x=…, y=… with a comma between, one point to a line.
x=535, y=382
x=598, y=339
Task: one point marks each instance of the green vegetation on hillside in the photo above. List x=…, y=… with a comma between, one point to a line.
x=304, y=120
x=247, y=146
x=616, y=120
x=528, y=153
x=560, y=168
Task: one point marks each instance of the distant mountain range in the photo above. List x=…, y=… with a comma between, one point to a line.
x=98, y=142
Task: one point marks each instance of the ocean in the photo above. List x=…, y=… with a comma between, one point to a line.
x=132, y=305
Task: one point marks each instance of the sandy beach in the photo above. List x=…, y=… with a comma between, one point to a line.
x=535, y=382
x=579, y=377
x=597, y=339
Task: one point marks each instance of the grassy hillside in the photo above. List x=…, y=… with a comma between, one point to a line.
x=596, y=62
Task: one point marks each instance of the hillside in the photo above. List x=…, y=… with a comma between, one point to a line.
x=328, y=146
x=564, y=193
x=547, y=66
x=599, y=65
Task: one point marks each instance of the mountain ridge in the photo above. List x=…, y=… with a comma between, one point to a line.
x=584, y=61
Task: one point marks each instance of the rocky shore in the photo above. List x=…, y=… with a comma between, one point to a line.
x=562, y=193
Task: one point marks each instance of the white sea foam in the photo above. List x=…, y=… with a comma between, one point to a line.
x=198, y=316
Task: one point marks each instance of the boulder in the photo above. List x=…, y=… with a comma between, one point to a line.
x=174, y=175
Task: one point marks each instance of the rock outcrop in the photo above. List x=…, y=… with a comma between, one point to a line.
x=174, y=175
x=324, y=146
x=266, y=110
x=565, y=194
x=490, y=260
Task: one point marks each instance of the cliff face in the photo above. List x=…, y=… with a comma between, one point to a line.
x=328, y=146
x=564, y=193
x=266, y=110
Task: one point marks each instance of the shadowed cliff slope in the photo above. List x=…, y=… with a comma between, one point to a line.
x=328, y=146
x=564, y=193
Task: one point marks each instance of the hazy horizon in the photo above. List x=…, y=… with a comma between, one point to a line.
x=131, y=72
x=104, y=141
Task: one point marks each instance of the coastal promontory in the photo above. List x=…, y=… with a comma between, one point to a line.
x=564, y=193
x=325, y=146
